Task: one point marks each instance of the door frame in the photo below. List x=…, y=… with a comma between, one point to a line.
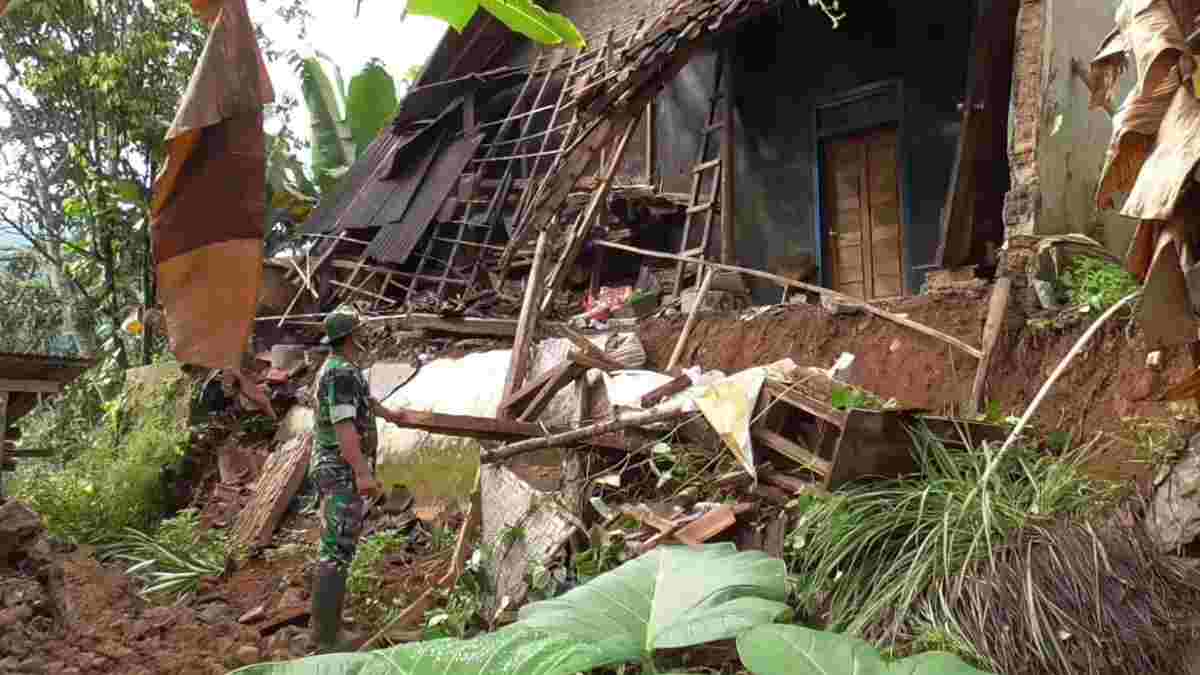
x=822, y=135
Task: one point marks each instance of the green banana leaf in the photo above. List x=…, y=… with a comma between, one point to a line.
x=794, y=650
x=457, y=13
x=522, y=16
x=370, y=104
x=332, y=144
x=531, y=20
x=673, y=596
x=512, y=650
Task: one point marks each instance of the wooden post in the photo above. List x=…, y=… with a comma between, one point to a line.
x=3, y=436
x=691, y=321
x=651, y=146
x=997, y=308
x=527, y=322
x=728, y=171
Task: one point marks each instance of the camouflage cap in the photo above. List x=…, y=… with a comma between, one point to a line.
x=339, y=325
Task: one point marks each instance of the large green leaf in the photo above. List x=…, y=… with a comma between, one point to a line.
x=531, y=20
x=332, y=145
x=370, y=104
x=457, y=13
x=794, y=650
x=513, y=650
x=671, y=597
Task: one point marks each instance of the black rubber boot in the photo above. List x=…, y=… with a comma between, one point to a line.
x=328, y=597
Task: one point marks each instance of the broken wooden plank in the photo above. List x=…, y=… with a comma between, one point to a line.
x=287, y=616
x=691, y=321
x=520, y=400
x=784, y=281
x=531, y=308
x=792, y=450
x=669, y=389
x=794, y=485
x=592, y=434
x=709, y=525
x=549, y=389
x=280, y=478
x=776, y=535
x=593, y=362
x=771, y=493
x=482, y=428
x=997, y=308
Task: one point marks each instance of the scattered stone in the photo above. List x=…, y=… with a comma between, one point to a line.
x=14, y=616
x=1154, y=360
x=257, y=614
x=217, y=612
x=247, y=654
x=19, y=530
x=837, y=307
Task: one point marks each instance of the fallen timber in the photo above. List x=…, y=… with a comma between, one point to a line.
x=784, y=281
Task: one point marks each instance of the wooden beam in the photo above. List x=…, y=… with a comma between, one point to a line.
x=482, y=428
x=997, y=309
x=590, y=434
x=728, y=170
x=520, y=400
x=784, y=281
x=552, y=386
x=793, y=451
x=31, y=386
x=671, y=388
x=691, y=321
x=527, y=322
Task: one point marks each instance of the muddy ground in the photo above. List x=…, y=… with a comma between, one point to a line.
x=1108, y=389
x=73, y=615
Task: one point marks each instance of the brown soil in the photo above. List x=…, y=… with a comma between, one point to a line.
x=1107, y=384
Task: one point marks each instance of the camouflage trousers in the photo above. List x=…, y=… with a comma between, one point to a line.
x=342, y=514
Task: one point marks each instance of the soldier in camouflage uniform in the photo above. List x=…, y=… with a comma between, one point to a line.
x=343, y=464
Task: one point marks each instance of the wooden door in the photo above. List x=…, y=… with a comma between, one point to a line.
x=863, y=215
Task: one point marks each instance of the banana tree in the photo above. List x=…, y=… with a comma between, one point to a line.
x=344, y=120
x=522, y=16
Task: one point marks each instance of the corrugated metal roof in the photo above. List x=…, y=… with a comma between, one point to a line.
x=324, y=219
x=396, y=240
x=40, y=367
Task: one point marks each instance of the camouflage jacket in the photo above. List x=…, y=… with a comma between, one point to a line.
x=342, y=395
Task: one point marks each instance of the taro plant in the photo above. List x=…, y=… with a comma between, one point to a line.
x=774, y=649
x=672, y=597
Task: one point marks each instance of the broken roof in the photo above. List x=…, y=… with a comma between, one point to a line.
x=38, y=368
x=410, y=170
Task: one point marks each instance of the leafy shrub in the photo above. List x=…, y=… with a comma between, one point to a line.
x=109, y=477
x=1097, y=284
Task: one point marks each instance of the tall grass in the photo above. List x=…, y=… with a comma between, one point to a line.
x=869, y=556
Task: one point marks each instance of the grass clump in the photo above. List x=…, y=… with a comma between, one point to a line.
x=1097, y=284
x=172, y=561
x=868, y=556
x=110, y=478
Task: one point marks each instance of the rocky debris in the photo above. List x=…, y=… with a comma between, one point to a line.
x=1174, y=519
x=20, y=528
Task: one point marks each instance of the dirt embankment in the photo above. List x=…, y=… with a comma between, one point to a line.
x=1108, y=386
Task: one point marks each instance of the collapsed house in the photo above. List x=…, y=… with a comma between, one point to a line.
x=857, y=158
